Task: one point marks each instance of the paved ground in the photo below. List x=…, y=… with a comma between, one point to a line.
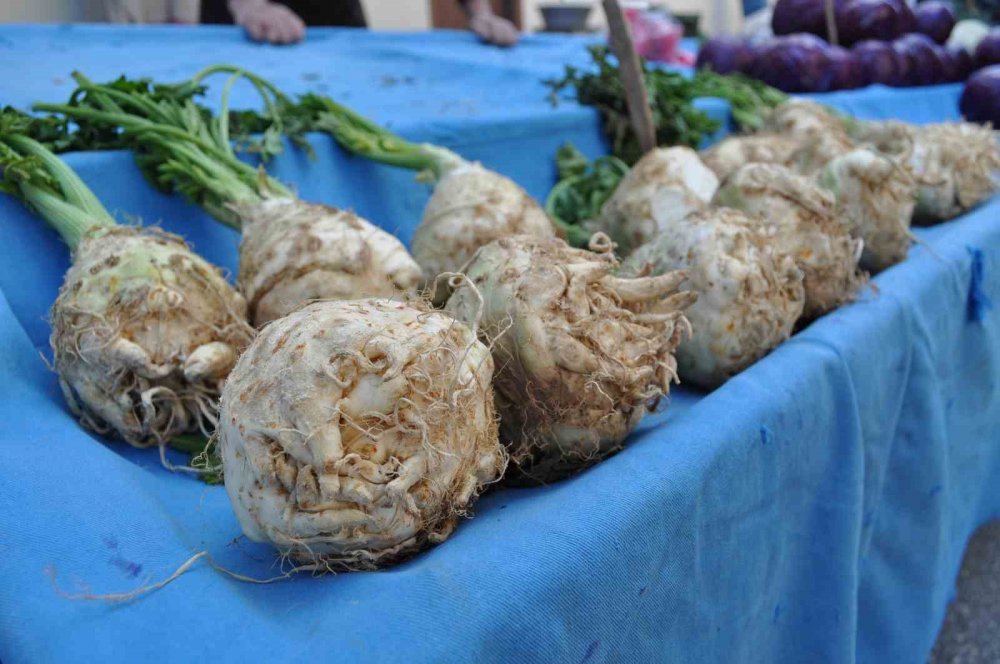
x=971, y=630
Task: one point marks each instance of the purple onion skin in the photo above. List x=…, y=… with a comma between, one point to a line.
x=938, y=56
x=879, y=61
x=950, y=64
x=980, y=100
x=848, y=73
x=724, y=54
x=859, y=20
x=957, y=63
x=935, y=19
x=907, y=19
x=919, y=57
x=962, y=61
x=906, y=64
x=988, y=50
x=752, y=51
x=797, y=16
x=794, y=63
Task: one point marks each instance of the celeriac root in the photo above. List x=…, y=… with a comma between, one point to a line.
x=294, y=252
x=582, y=354
x=144, y=333
x=354, y=433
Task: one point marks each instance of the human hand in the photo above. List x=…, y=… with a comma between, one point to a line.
x=268, y=21
x=488, y=26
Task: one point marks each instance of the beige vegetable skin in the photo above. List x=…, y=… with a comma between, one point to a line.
x=354, y=433
x=729, y=154
x=295, y=252
x=144, y=333
x=749, y=294
x=954, y=163
x=799, y=219
x=803, y=120
x=875, y=197
x=143, y=330
x=582, y=355
x=663, y=187
x=472, y=206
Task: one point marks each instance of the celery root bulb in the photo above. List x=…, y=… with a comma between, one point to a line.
x=954, y=163
x=804, y=120
x=144, y=333
x=471, y=206
x=816, y=153
x=875, y=198
x=729, y=154
x=799, y=219
x=749, y=295
x=663, y=187
x=294, y=252
x=354, y=433
x=821, y=134
x=581, y=354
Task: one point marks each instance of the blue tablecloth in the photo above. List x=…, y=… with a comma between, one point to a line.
x=814, y=509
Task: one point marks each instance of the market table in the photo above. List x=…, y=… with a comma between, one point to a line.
x=813, y=509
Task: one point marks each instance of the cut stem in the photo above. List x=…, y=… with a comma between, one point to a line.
x=68, y=220
x=48, y=186
x=178, y=145
x=76, y=192
x=358, y=135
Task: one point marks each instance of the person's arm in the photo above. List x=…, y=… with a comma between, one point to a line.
x=490, y=27
x=268, y=21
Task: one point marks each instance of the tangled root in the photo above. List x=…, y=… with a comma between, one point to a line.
x=144, y=333
x=354, y=433
x=875, y=198
x=799, y=219
x=953, y=163
x=749, y=294
x=295, y=252
x=582, y=354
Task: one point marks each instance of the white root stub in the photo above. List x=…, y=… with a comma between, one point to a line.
x=581, y=354
x=472, y=206
x=295, y=252
x=875, y=198
x=354, y=433
x=749, y=296
x=799, y=219
x=729, y=154
x=144, y=333
x=663, y=187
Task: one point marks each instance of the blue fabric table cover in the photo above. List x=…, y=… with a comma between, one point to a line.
x=813, y=509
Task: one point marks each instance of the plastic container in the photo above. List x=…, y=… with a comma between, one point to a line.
x=566, y=16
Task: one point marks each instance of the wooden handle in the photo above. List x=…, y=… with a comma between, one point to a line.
x=831, y=23
x=631, y=71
